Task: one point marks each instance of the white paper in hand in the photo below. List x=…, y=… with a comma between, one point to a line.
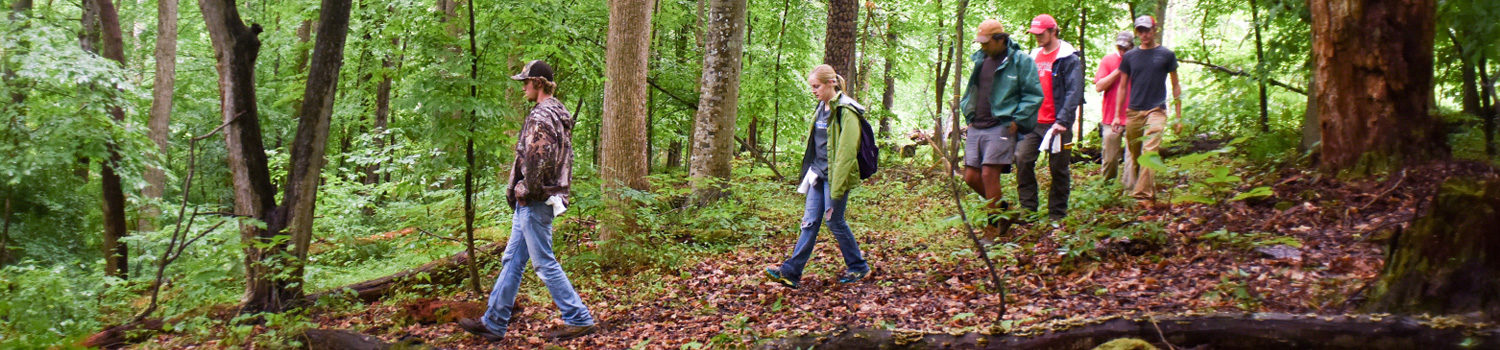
x=807, y=182
x=1046, y=143
x=557, y=205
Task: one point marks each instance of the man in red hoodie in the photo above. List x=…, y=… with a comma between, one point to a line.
x=1060, y=71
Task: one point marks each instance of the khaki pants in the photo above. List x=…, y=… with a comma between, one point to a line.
x=1113, y=152
x=1143, y=135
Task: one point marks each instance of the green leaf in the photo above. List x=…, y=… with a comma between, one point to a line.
x=1193, y=198
x=1152, y=160
x=1258, y=192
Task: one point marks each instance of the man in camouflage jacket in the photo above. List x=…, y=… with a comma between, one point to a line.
x=538, y=184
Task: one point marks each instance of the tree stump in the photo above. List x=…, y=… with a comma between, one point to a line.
x=1448, y=262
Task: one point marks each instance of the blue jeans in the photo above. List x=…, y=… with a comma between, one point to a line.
x=531, y=238
x=818, y=200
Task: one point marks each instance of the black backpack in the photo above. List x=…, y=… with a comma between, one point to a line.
x=869, y=153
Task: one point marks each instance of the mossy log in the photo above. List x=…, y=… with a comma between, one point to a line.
x=1448, y=262
x=338, y=339
x=446, y=271
x=1227, y=331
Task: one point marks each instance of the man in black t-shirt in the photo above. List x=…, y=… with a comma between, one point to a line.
x=1144, y=68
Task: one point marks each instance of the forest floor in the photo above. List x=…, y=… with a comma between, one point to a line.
x=1311, y=247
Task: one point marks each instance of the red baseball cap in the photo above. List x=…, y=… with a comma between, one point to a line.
x=1042, y=23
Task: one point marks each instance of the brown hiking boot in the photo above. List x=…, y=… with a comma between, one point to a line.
x=566, y=332
x=475, y=326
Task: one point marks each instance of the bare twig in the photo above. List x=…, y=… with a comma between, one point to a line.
x=1159, y=333
x=995, y=280
x=755, y=151
x=179, y=233
x=1386, y=192
x=1242, y=73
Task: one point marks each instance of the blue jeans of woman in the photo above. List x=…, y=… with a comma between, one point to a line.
x=819, y=200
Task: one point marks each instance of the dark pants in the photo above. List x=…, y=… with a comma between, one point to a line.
x=1027, y=154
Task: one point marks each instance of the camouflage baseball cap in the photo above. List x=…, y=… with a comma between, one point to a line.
x=534, y=69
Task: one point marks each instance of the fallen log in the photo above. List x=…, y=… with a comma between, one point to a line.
x=123, y=335
x=1221, y=331
x=445, y=271
x=339, y=339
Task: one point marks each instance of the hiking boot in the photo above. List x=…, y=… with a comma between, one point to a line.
x=475, y=326
x=566, y=332
x=775, y=276
x=853, y=276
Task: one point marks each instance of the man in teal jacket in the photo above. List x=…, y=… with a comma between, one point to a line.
x=1001, y=100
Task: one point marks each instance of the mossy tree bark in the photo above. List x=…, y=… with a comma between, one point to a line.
x=1448, y=262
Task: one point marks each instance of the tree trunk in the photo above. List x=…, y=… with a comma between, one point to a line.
x=888, y=97
x=1470, y=80
x=308, y=148
x=627, y=50
x=862, y=73
x=1486, y=107
x=786, y=8
x=956, y=59
x=102, y=35
x=19, y=11
x=1312, y=135
x=1375, y=108
x=5, y=232
x=1448, y=262
x=1260, y=69
x=236, y=47
x=161, y=106
x=838, y=44
x=941, y=69
x=1220, y=331
x=717, y=108
x=472, y=268
x=382, y=115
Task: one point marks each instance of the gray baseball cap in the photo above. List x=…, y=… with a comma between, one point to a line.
x=1145, y=22
x=1125, y=40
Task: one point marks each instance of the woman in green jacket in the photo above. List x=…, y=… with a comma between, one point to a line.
x=830, y=169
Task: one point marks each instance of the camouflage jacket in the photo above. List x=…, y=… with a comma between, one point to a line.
x=544, y=155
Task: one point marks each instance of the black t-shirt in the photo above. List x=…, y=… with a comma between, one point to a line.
x=1148, y=70
x=983, y=117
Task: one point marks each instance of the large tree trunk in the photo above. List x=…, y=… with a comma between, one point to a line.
x=102, y=35
x=623, y=163
x=307, y=153
x=161, y=106
x=838, y=39
x=1448, y=262
x=1374, y=66
x=273, y=279
x=236, y=47
x=718, y=106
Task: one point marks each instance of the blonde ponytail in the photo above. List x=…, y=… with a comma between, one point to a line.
x=825, y=74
